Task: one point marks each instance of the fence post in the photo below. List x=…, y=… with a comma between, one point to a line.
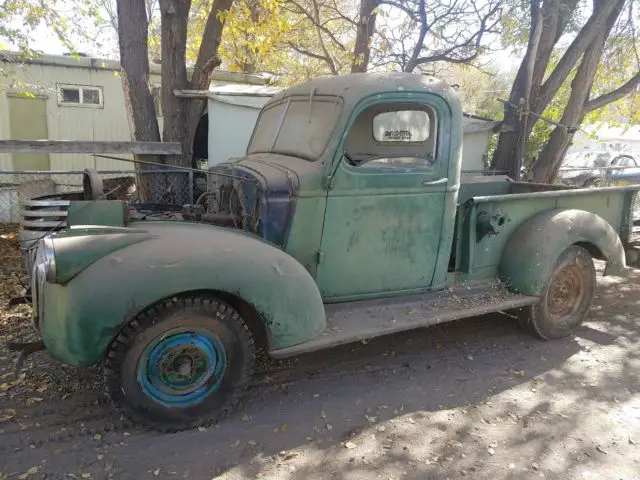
x=190, y=186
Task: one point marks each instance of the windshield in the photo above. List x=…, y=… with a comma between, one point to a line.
x=299, y=126
x=587, y=160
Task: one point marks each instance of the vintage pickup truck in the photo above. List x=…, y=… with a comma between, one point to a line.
x=346, y=219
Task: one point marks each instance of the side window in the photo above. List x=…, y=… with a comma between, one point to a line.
x=80, y=96
x=402, y=136
x=403, y=126
x=625, y=161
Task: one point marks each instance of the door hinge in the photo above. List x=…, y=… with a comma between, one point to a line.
x=320, y=257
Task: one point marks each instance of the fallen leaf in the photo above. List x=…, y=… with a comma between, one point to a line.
x=534, y=466
x=601, y=450
x=329, y=427
x=371, y=419
x=251, y=443
x=235, y=444
x=32, y=400
x=288, y=455
x=245, y=418
x=156, y=472
x=86, y=475
x=7, y=414
x=381, y=428
x=491, y=451
x=631, y=441
x=202, y=429
x=350, y=445
x=31, y=471
x=323, y=414
x=97, y=436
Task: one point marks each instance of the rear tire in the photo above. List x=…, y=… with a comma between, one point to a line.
x=181, y=364
x=566, y=299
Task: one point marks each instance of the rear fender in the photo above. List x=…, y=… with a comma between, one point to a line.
x=534, y=247
x=87, y=312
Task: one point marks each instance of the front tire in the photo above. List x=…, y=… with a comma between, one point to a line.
x=181, y=364
x=566, y=299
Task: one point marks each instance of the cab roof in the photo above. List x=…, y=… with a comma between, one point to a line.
x=356, y=86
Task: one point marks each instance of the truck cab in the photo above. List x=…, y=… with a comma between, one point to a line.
x=345, y=220
x=370, y=168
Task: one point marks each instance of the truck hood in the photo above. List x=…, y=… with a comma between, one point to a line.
x=280, y=170
x=264, y=189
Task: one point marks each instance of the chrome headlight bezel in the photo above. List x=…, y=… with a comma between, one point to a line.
x=48, y=259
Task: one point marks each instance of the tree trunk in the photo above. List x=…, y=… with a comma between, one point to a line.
x=546, y=168
x=143, y=123
x=174, y=16
x=510, y=149
x=555, y=14
x=364, y=31
x=181, y=116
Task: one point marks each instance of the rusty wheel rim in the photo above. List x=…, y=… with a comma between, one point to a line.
x=566, y=292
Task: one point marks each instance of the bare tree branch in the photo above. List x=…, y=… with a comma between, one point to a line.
x=584, y=38
x=610, y=97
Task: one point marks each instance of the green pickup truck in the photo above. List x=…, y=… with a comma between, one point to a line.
x=348, y=218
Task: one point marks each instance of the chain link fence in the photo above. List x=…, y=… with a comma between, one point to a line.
x=169, y=186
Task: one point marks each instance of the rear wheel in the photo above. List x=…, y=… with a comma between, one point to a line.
x=566, y=299
x=181, y=364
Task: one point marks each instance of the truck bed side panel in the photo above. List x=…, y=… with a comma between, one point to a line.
x=486, y=223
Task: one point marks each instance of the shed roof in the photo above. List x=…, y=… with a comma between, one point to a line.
x=95, y=63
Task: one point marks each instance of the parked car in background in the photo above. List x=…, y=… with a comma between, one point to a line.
x=593, y=169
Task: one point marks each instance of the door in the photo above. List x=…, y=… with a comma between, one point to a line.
x=28, y=120
x=628, y=173
x=383, y=219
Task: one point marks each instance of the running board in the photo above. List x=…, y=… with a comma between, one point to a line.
x=356, y=321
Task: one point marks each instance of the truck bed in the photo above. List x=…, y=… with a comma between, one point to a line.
x=491, y=208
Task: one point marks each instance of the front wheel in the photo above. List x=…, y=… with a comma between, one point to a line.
x=566, y=299
x=180, y=364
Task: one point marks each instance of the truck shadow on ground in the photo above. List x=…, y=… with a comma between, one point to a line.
x=470, y=398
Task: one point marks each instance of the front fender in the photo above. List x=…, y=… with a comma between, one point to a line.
x=534, y=247
x=83, y=316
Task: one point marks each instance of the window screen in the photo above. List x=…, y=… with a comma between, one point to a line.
x=71, y=95
x=91, y=96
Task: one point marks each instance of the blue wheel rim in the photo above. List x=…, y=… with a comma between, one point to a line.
x=182, y=368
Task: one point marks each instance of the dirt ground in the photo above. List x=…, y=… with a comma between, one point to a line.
x=476, y=399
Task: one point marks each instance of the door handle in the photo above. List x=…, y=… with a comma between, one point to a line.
x=440, y=181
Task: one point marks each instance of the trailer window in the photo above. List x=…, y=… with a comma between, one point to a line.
x=80, y=96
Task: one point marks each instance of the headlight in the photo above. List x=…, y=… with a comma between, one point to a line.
x=48, y=260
